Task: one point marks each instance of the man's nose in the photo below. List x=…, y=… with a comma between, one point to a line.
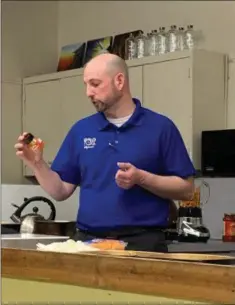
x=89, y=92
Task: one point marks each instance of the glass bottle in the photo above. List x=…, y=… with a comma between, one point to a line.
x=140, y=45
x=181, y=39
x=152, y=43
x=172, y=39
x=190, y=40
x=130, y=47
x=161, y=41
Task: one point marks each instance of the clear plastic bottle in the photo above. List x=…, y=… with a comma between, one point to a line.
x=190, y=41
x=141, y=42
x=148, y=44
x=130, y=47
x=181, y=39
x=162, y=41
x=172, y=39
x=152, y=44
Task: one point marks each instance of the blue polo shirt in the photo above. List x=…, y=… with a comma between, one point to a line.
x=89, y=155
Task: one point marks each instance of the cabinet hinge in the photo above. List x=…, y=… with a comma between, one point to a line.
x=189, y=73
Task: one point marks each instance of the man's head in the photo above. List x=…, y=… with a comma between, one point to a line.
x=106, y=80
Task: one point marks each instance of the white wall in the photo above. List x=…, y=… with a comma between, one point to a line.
x=11, y=167
x=29, y=46
x=29, y=38
x=83, y=20
x=222, y=200
x=66, y=210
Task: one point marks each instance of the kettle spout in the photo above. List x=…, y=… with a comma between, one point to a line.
x=16, y=216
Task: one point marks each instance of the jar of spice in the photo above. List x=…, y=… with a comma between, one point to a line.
x=32, y=142
x=229, y=227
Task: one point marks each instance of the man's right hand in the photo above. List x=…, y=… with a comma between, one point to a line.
x=49, y=180
x=24, y=152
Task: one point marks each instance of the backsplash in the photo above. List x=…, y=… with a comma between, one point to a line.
x=65, y=210
x=222, y=200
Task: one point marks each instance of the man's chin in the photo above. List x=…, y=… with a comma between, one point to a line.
x=98, y=107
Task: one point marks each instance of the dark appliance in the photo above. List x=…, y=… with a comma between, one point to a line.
x=218, y=153
x=190, y=225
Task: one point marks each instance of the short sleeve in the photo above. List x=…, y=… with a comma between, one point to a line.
x=66, y=162
x=176, y=160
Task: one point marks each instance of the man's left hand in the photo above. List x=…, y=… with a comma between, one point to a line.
x=127, y=175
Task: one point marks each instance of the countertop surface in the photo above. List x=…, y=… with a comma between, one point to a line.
x=29, y=241
x=212, y=246
x=30, y=236
x=207, y=282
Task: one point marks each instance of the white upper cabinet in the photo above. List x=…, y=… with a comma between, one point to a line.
x=42, y=116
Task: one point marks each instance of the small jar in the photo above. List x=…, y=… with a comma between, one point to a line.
x=229, y=227
x=32, y=142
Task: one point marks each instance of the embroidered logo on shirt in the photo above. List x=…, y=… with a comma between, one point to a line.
x=89, y=143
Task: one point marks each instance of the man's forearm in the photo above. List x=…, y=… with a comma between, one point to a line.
x=50, y=181
x=170, y=187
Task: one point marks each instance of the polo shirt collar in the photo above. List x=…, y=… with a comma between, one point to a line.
x=135, y=119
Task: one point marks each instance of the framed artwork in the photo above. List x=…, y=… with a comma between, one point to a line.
x=96, y=47
x=71, y=57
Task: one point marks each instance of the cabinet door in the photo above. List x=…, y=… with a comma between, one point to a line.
x=167, y=90
x=42, y=116
x=75, y=104
x=231, y=95
x=135, y=79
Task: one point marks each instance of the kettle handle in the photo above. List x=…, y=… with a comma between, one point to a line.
x=46, y=200
x=207, y=186
x=16, y=216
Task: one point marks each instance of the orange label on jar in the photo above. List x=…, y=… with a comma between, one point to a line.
x=229, y=228
x=37, y=144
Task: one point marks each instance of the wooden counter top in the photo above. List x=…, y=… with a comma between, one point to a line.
x=168, y=278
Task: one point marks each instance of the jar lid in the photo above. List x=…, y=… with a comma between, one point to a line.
x=28, y=138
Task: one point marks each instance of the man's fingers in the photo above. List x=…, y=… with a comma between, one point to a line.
x=123, y=185
x=20, y=153
x=124, y=166
x=121, y=175
x=22, y=136
x=19, y=146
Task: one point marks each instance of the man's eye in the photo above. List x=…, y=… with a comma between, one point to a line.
x=95, y=84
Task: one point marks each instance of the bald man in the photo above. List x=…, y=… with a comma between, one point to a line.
x=129, y=162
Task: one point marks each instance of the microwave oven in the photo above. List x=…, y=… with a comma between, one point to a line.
x=218, y=153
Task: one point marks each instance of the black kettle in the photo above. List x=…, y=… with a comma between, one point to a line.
x=17, y=218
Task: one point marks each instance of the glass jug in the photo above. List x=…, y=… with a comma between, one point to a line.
x=200, y=196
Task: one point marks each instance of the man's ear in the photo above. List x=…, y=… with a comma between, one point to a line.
x=119, y=81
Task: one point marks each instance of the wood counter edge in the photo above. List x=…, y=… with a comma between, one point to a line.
x=172, y=279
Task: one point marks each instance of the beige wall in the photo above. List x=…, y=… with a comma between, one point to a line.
x=29, y=38
x=82, y=20
x=34, y=31
x=29, y=46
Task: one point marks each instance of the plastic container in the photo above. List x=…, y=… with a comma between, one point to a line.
x=107, y=244
x=32, y=142
x=229, y=227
